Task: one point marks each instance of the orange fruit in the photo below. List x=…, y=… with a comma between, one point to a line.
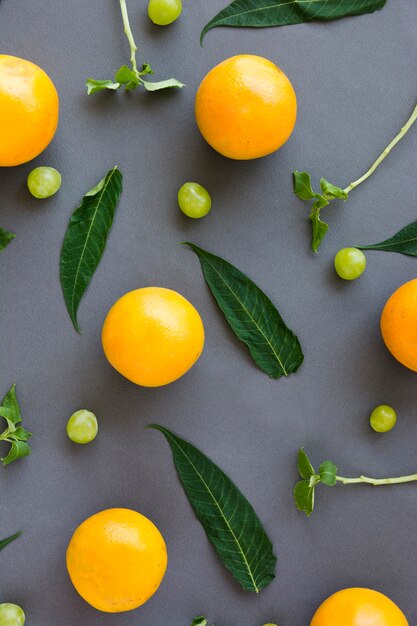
x=246, y=107
x=358, y=607
x=116, y=560
x=153, y=336
x=29, y=110
x=399, y=324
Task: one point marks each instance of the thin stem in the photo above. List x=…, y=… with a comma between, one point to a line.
x=377, y=481
x=386, y=152
x=129, y=35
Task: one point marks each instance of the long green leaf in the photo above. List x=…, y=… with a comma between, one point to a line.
x=227, y=517
x=86, y=239
x=8, y=540
x=263, y=13
x=403, y=242
x=5, y=238
x=252, y=316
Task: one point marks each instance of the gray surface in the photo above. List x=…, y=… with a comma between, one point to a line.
x=355, y=81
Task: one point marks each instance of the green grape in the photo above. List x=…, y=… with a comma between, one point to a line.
x=194, y=200
x=44, y=182
x=350, y=263
x=383, y=418
x=11, y=615
x=164, y=12
x=82, y=426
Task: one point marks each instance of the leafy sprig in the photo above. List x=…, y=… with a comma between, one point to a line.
x=199, y=621
x=15, y=435
x=304, y=490
x=330, y=192
x=130, y=78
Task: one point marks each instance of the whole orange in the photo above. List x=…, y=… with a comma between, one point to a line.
x=358, y=607
x=399, y=324
x=116, y=560
x=246, y=107
x=29, y=108
x=153, y=336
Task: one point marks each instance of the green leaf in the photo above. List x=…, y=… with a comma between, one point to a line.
x=146, y=69
x=327, y=472
x=331, y=191
x=86, y=237
x=93, y=86
x=127, y=77
x=305, y=468
x=252, y=316
x=403, y=242
x=319, y=227
x=263, y=13
x=18, y=450
x=8, y=540
x=302, y=185
x=9, y=408
x=163, y=84
x=5, y=238
x=304, y=496
x=199, y=621
x=227, y=517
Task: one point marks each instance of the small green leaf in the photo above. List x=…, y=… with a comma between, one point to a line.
x=305, y=468
x=127, y=77
x=8, y=540
x=403, y=242
x=319, y=227
x=199, y=621
x=93, y=86
x=86, y=237
x=302, y=186
x=20, y=434
x=264, y=13
x=331, y=191
x=9, y=408
x=5, y=238
x=163, y=84
x=230, y=522
x=146, y=69
x=304, y=496
x=327, y=472
x=18, y=450
x=252, y=316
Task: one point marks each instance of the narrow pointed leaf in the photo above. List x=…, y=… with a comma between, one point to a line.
x=5, y=238
x=9, y=408
x=252, y=316
x=227, y=517
x=93, y=86
x=8, y=540
x=264, y=13
x=305, y=468
x=86, y=238
x=403, y=242
x=162, y=84
x=319, y=227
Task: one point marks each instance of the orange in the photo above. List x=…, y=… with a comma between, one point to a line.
x=153, y=336
x=116, y=560
x=399, y=324
x=246, y=107
x=358, y=607
x=29, y=110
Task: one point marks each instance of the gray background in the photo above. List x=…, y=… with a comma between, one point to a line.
x=356, y=83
